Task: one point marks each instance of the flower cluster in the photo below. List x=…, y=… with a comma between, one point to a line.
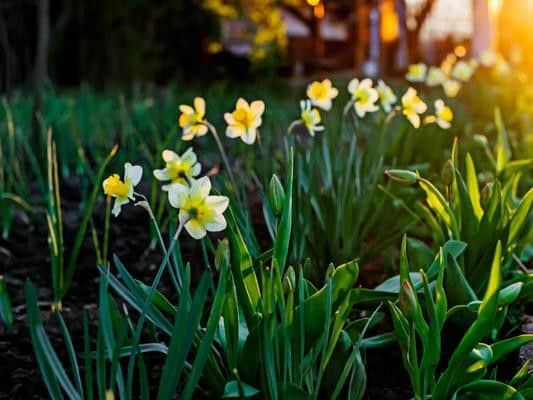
x=199, y=212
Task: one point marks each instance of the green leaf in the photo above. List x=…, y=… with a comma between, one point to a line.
x=237, y=390
x=503, y=152
x=488, y=390
x=504, y=347
x=473, y=187
x=520, y=216
x=283, y=234
x=6, y=313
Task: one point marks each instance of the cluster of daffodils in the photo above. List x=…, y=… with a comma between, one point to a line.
x=454, y=72
x=243, y=122
x=367, y=98
x=199, y=211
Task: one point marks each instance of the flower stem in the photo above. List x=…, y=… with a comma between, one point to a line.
x=106, y=230
x=173, y=274
x=223, y=155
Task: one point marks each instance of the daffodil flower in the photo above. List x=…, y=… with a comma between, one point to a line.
x=462, y=71
x=178, y=169
x=244, y=121
x=436, y=76
x=310, y=117
x=451, y=87
x=122, y=190
x=416, y=72
x=386, y=96
x=199, y=211
x=443, y=115
x=413, y=106
x=192, y=120
x=364, y=96
x=322, y=94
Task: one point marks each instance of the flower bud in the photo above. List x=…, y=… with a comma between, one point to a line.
x=402, y=175
x=481, y=140
x=276, y=195
x=486, y=194
x=408, y=300
x=447, y=173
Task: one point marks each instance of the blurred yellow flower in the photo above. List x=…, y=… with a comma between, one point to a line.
x=488, y=58
x=244, y=121
x=178, y=169
x=122, y=190
x=322, y=94
x=451, y=87
x=435, y=76
x=192, y=119
x=443, y=115
x=416, y=72
x=463, y=71
x=386, y=96
x=364, y=96
x=448, y=63
x=310, y=117
x=200, y=211
x=412, y=106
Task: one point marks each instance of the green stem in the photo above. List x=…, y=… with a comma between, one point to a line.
x=146, y=205
x=106, y=230
x=223, y=154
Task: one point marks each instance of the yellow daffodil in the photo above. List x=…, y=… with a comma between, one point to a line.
x=448, y=63
x=386, y=96
x=443, y=115
x=322, y=94
x=200, y=211
x=416, y=72
x=178, y=169
x=244, y=121
x=462, y=71
x=310, y=117
x=364, y=96
x=192, y=119
x=451, y=87
x=413, y=106
x=435, y=76
x=122, y=190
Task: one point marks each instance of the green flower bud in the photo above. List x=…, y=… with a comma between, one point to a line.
x=481, y=140
x=447, y=173
x=408, y=301
x=276, y=195
x=486, y=194
x=402, y=176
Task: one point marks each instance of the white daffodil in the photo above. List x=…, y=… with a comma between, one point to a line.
x=200, y=211
x=178, y=169
x=443, y=115
x=192, y=120
x=244, y=121
x=386, y=96
x=413, y=106
x=364, y=96
x=122, y=190
x=416, y=72
x=436, y=76
x=451, y=87
x=310, y=117
x=322, y=94
x=463, y=71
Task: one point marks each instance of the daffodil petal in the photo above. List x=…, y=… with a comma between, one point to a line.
x=133, y=173
x=177, y=194
x=216, y=224
x=195, y=229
